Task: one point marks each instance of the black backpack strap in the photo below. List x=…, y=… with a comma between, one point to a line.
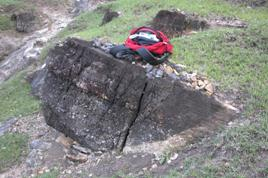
x=150, y=58
x=116, y=49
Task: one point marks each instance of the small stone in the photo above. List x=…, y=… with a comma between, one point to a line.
x=80, y=158
x=169, y=161
x=145, y=169
x=193, y=77
x=135, y=156
x=66, y=141
x=40, y=172
x=200, y=83
x=174, y=157
x=168, y=69
x=159, y=73
x=118, y=157
x=227, y=164
x=81, y=149
x=69, y=171
x=206, y=82
x=154, y=166
x=140, y=173
x=209, y=88
x=194, y=84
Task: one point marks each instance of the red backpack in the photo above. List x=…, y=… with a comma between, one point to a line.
x=151, y=45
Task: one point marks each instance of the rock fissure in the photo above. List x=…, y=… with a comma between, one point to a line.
x=134, y=119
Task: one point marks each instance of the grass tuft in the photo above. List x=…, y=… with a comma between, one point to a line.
x=5, y=23
x=16, y=99
x=12, y=148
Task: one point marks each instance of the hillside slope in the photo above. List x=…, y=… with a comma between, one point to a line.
x=236, y=60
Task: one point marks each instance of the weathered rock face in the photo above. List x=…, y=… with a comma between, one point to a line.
x=104, y=103
x=175, y=22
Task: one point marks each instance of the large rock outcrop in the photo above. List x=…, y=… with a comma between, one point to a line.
x=105, y=103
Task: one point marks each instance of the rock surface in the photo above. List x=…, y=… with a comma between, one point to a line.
x=105, y=104
x=176, y=22
x=25, y=22
x=109, y=16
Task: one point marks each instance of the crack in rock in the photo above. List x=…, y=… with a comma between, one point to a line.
x=122, y=145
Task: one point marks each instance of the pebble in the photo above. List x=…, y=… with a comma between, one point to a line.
x=145, y=169
x=65, y=141
x=135, y=156
x=81, y=149
x=174, y=157
x=154, y=166
x=81, y=158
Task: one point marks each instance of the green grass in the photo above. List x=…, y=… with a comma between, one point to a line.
x=52, y=174
x=16, y=99
x=5, y=23
x=9, y=2
x=137, y=13
x=12, y=148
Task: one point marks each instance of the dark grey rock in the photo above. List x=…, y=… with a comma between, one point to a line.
x=176, y=22
x=37, y=80
x=109, y=16
x=25, y=21
x=105, y=103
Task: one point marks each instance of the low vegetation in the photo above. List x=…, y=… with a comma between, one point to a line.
x=5, y=23
x=12, y=148
x=51, y=174
x=16, y=99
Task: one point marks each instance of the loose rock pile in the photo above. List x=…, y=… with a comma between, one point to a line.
x=175, y=71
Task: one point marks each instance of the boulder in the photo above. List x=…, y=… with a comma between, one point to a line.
x=25, y=21
x=105, y=103
x=176, y=22
x=109, y=16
